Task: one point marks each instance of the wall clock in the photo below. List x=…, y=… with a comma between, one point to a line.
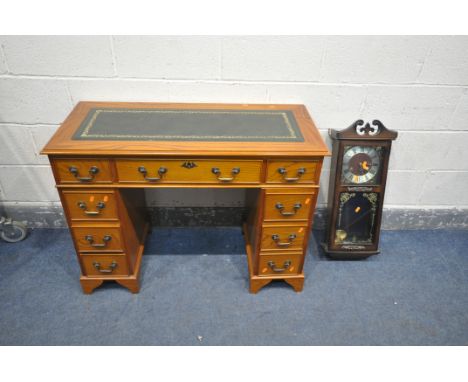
x=357, y=186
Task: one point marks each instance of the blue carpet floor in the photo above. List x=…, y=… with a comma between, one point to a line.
x=195, y=292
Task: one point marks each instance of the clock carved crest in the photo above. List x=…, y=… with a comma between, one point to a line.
x=357, y=187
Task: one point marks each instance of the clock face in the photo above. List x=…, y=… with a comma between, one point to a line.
x=361, y=164
x=357, y=218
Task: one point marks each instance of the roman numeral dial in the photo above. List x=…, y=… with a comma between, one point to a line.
x=361, y=164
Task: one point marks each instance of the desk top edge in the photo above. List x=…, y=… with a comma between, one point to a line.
x=62, y=143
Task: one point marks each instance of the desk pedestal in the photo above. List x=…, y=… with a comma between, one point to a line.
x=109, y=228
x=276, y=233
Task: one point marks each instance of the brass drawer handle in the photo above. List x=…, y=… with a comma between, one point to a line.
x=112, y=266
x=217, y=172
x=105, y=240
x=276, y=239
x=301, y=171
x=93, y=170
x=286, y=266
x=161, y=172
x=280, y=207
x=99, y=207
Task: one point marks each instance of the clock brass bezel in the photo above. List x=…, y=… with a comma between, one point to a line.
x=375, y=179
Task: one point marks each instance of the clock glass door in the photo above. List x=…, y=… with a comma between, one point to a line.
x=356, y=220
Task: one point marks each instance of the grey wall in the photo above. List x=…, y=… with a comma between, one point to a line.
x=416, y=85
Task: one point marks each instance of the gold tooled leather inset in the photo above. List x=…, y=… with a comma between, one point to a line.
x=106, y=123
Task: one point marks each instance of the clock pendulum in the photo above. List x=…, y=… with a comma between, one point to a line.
x=357, y=186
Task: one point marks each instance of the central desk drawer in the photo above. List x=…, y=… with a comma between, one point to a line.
x=188, y=171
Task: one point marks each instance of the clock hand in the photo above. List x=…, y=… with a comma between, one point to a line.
x=361, y=172
x=363, y=167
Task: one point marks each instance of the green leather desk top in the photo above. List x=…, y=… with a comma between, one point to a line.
x=189, y=130
x=142, y=124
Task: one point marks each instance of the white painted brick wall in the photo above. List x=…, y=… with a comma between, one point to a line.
x=16, y=145
x=33, y=100
x=3, y=67
x=377, y=59
x=27, y=183
x=417, y=85
x=89, y=56
x=460, y=116
x=272, y=59
x=414, y=107
x=446, y=62
x=167, y=57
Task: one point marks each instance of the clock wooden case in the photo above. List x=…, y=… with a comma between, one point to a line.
x=357, y=186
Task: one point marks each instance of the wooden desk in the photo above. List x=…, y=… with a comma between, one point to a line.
x=105, y=154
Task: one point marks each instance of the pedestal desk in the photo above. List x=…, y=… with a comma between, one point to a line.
x=105, y=154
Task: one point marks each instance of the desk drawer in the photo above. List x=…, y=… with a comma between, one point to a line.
x=101, y=265
x=282, y=238
x=88, y=171
x=188, y=171
x=288, y=206
x=280, y=264
x=293, y=172
x=90, y=205
x=96, y=239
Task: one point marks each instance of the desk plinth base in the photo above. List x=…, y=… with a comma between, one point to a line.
x=88, y=284
x=352, y=255
x=258, y=282
x=132, y=282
